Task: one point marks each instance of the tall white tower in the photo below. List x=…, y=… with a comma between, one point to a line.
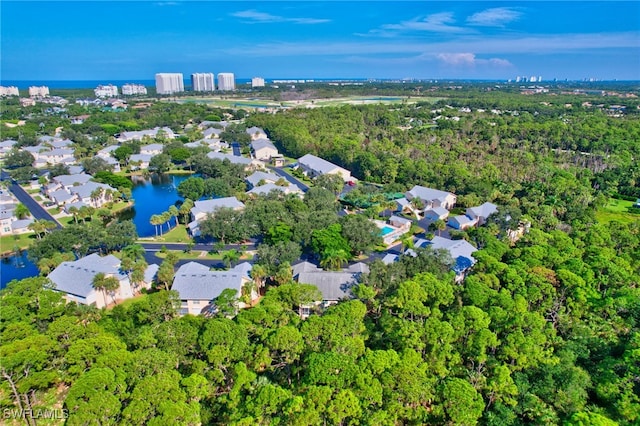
x=202, y=82
x=226, y=81
x=169, y=83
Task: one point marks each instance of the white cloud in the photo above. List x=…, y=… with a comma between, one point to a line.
x=495, y=17
x=470, y=60
x=438, y=22
x=252, y=16
x=534, y=44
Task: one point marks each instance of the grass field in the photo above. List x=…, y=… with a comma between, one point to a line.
x=618, y=210
x=8, y=242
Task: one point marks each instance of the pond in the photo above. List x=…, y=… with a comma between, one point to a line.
x=16, y=267
x=152, y=195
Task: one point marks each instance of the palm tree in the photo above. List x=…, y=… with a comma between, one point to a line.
x=73, y=210
x=95, y=195
x=173, y=211
x=333, y=259
x=166, y=217
x=258, y=273
x=156, y=220
x=38, y=228
x=283, y=274
x=230, y=256
x=98, y=283
x=21, y=211
x=185, y=209
x=406, y=240
x=438, y=225
x=134, y=252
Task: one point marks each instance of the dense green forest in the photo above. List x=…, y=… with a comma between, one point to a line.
x=544, y=330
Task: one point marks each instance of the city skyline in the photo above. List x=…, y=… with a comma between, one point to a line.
x=362, y=39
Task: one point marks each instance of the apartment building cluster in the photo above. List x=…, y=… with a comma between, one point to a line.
x=170, y=83
x=9, y=91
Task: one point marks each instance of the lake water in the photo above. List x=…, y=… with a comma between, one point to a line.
x=16, y=267
x=152, y=195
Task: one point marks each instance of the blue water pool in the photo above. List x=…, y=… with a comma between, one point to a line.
x=386, y=230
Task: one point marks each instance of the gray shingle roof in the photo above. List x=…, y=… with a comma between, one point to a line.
x=76, y=277
x=70, y=180
x=262, y=143
x=318, y=164
x=234, y=159
x=334, y=286
x=256, y=177
x=194, y=281
x=209, y=206
x=429, y=193
x=484, y=211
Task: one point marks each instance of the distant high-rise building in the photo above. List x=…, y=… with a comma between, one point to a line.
x=38, y=91
x=257, y=82
x=133, y=89
x=518, y=79
x=533, y=79
x=202, y=82
x=539, y=78
x=226, y=81
x=107, y=91
x=169, y=83
x=9, y=91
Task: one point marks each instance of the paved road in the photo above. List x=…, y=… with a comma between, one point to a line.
x=37, y=211
x=235, y=146
x=290, y=178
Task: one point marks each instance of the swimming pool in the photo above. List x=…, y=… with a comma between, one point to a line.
x=386, y=230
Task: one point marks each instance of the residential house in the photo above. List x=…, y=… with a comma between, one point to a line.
x=202, y=208
x=393, y=229
x=334, y=286
x=151, y=133
x=87, y=193
x=432, y=197
x=461, y=252
x=68, y=181
x=481, y=213
x=75, y=280
x=314, y=166
x=436, y=213
x=268, y=187
x=248, y=163
x=257, y=178
x=55, y=156
x=139, y=161
x=21, y=226
x=151, y=149
x=256, y=133
x=198, y=287
x=263, y=149
x=277, y=160
x=461, y=222
x=212, y=133
x=6, y=146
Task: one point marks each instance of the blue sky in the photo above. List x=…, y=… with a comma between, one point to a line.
x=78, y=40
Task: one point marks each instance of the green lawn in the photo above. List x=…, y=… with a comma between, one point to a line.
x=618, y=210
x=198, y=254
x=8, y=242
x=177, y=234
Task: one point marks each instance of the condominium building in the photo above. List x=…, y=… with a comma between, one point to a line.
x=133, y=89
x=38, y=91
x=226, y=81
x=202, y=82
x=9, y=91
x=168, y=83
x=108, y=91
x=257, y=82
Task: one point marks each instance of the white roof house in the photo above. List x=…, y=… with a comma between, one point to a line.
x=151, y=149
x=461, y=222
x=202, y=208
x=436, y=213
x=255, y=178
x=151, y=133
x=248, y=163
x=268, y=187
x=198, y=286
x=68, y=181
x=482, y=212
x=75, y=279
x=432, y=197
x=263, y=149
x=315, y=166
x=256, y=133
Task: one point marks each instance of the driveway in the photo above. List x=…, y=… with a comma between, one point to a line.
x=37, y=211
x=290, y=178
